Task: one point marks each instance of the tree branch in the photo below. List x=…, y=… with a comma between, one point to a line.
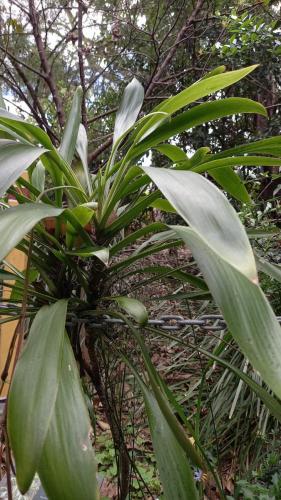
x=181, y=36
x=42, y=121
x=81, y=61
x=45, y=63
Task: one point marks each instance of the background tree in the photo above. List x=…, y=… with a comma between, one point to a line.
x=47, y=50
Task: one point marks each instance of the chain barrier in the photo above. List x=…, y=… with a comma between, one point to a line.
x=171, y=322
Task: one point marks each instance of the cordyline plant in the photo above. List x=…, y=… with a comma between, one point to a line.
x=72, y=229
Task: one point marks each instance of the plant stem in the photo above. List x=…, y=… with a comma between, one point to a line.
x=94, y=371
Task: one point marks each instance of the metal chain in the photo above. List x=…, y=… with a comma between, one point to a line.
x=171, y=322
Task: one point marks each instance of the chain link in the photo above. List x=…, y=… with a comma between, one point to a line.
x=171, y=322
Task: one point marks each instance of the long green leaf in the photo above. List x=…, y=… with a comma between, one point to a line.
x=17, y=221
x=129, y=108
x=272, y=270
x=187, y=191
x=173, y=152
x=231, y=183
x=132, y=237
x=200, y=89
x=24, y=131
x=68, y=144
x=237, y=160
x=168, y=272
x=221, y=247
x=15, y=158
x=102, y=253
x=270, y=146
x=67, y=466
x=203, y=113
x=82, y=150
x=271, y=403
x=203, y=88
x=7, y=276
x=175, y=472
x=34, y=390
x=38, y=176
x=133, y=211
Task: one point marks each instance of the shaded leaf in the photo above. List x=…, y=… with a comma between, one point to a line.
x=175, y=472
x=231, y=183
x=219, y=243
x=272, y=270
x=67, y=466
x=38, y=176
x=17, y=221
x=34, y=390
x=15, y=158
x=82, y=150
x=133, y=307
x=198, y=115
x=94, y=251
x=68, y=143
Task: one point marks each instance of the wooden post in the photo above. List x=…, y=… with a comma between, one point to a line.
x=17, y=259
